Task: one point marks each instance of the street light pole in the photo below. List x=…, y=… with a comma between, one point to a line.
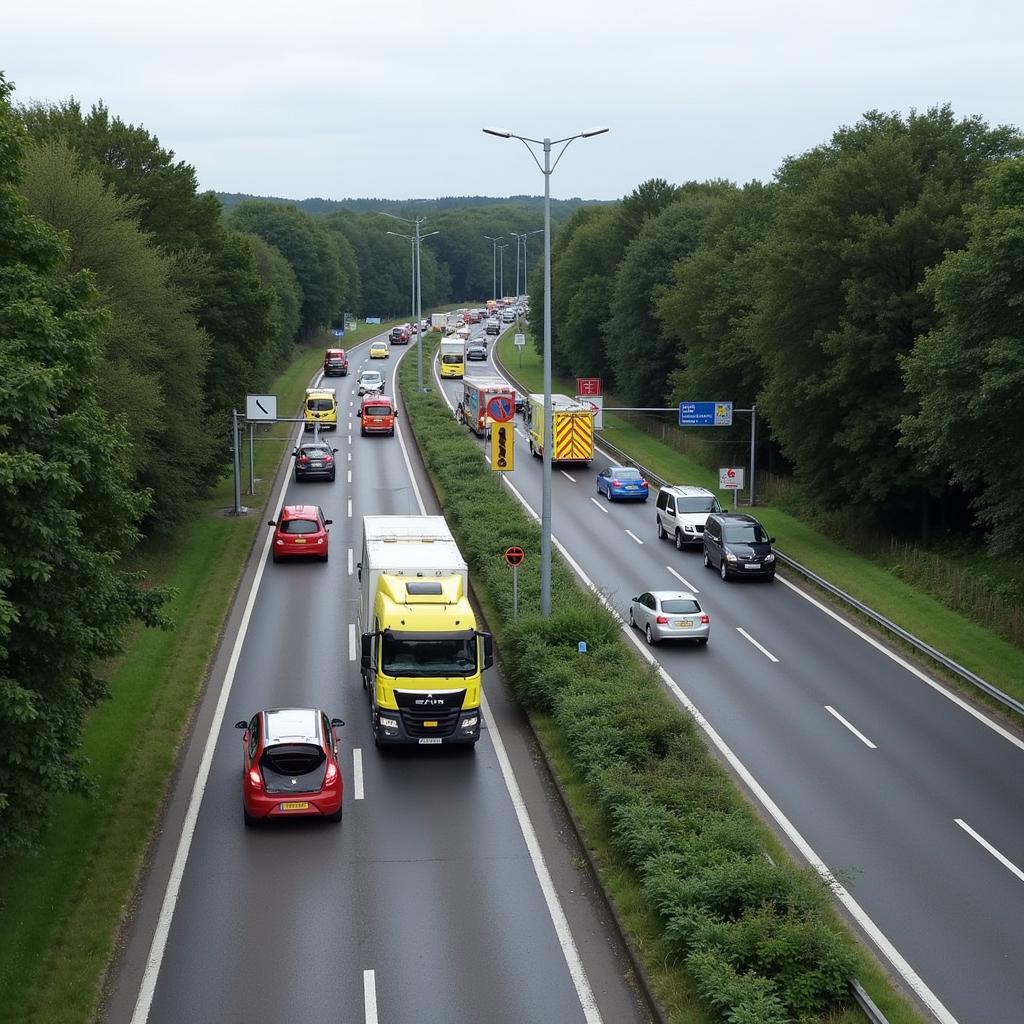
x=526, y=284
x=545, y=516
x=494, y=263
x=417, y=286
x=501, y=262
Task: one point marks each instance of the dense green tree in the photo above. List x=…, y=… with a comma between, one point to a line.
x=155, y=353
x=276, y=274
x=860, y=221
x=640, y=352
x=307, y=245
x=70, y=510
x=967, y=373
x=706, y=309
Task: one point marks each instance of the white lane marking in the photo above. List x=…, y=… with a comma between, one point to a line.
x=349, y=438
x=370, y=997
x=350, y=476
x=357, y=773
x=856, y=732
x=351, y=638
x=764, y=650
x=853, y=908
x=147, y=987
x=903, y=663
x=350, y=561
x=1005, y=861
x=571, y=479
x=349, y=456
x=520, y=433
x=682, y=579
x=634, y=536
x=600, y=507
x=350, y=508
x=572, y=956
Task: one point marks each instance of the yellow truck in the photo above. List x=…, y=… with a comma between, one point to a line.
x=573, y=429
x=321, y=409
x=422, y=656
x=452, y=357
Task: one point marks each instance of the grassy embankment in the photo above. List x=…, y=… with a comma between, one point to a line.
x=60, y=910
x=988, y=654
x=725, y=934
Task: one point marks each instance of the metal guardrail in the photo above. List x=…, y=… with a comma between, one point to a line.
x=848, y=599
x=866, y=1003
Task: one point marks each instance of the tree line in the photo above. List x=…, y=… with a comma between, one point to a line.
x=869, y=299
x=134, y=315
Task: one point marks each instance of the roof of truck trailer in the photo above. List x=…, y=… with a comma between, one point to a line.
x=405, y=528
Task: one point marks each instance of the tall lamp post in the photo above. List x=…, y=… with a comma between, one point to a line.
x=494, y=263
x=501, y=264
x=539, y=231
x=547, y=168
x=418, y=304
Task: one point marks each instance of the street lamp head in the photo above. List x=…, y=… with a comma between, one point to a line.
x=502, y=133
x=591, y=132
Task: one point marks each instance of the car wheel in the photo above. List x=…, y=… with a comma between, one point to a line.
x=608, y=494
x=707, y=561
x=661, y=531
x=722, y=571
x=362, y=433
x=297, y=477
x=651, y=641
x=679, y=540
x=632, y=621
x=703, y=640
x=336, y=816
x=249, y=820
x=391, y=432
x=332, y=478
x=273, y=555
x=326, y=555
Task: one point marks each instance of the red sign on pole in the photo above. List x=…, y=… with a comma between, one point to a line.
x=514, y=556
x=501, y=408
x=588, y=386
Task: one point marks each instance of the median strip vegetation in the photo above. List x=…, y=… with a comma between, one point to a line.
x=753, y=939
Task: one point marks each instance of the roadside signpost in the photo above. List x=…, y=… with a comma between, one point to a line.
x=503, y=459
x=588, y=387
x=705, y=414
x=514, y=557
x=501, y=408
x=261, y=408
x=730, y=478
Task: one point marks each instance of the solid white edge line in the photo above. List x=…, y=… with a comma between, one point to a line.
x=1005, y=861
x=370, y=997
x=561, y=924
x=147, y=988
x=351, y=639
x=571, y=479
x=852, y=907
x=903, y=663
x=600, y=507
x=634, y=536
x=682, y=579
x=856, y=732
x=357, y=773
x=764, y=650
x=350, y=561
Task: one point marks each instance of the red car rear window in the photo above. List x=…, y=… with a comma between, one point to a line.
x=300, y=526
x=377, y=410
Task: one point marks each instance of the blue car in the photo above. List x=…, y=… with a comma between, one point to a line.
x=622, y=483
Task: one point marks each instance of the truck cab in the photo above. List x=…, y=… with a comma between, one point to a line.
x=452, y=357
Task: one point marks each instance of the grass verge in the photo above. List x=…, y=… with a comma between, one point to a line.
x=981, y=650
x=60, y=910
x=725, y=932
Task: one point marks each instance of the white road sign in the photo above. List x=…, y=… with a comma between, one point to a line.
x=261, y=408
x=596, y=402
x=520, y=340
x=730, y=478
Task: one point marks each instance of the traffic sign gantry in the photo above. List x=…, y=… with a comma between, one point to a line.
x=501, y=408
x=514, y=556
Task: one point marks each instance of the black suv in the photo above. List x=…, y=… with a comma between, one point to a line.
x=738, y=545
x=314, y=460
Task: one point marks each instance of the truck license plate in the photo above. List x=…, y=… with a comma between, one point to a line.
x=430, y=739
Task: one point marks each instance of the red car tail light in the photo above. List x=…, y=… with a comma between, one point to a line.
x=616, y=483
x=254, y=778
x=704, y=620
x=662, y=620
x=332, y=774
x=328, y=458
x=303, y=459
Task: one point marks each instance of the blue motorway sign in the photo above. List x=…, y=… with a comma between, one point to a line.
x=338, y=333
x=705, y=414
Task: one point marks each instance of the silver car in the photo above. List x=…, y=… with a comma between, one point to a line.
x=370, y=380
x=669, y=615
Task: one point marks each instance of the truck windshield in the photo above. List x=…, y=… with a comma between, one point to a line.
x=451, y=357
x=424, y=658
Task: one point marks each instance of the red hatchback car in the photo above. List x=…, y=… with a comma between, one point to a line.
x=300, y=531
x=290, y=765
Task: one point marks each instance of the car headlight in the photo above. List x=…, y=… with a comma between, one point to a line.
x=387, y=723
x=469, y=723
x=688, y=528
x=730, y=557
x=769, y=558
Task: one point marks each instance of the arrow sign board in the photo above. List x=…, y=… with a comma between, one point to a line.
x=705, y=414
x=597, y=404
x=261, y=408
x=730, y=478
x=501, y=408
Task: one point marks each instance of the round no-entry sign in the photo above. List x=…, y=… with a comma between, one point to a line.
x=514, y=556
x=501, y=408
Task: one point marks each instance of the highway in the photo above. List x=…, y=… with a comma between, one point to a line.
x=904, y=791
x=452, y=890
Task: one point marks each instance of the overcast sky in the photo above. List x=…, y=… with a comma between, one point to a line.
x=387, y=98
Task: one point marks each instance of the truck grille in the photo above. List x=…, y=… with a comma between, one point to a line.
x=415, y=723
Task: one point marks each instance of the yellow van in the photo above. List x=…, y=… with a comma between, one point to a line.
x=321, y=407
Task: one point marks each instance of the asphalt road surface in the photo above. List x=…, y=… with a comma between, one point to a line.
x=911, y=797
x=451, y=892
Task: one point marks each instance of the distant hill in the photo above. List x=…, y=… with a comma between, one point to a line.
x=560, y=208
